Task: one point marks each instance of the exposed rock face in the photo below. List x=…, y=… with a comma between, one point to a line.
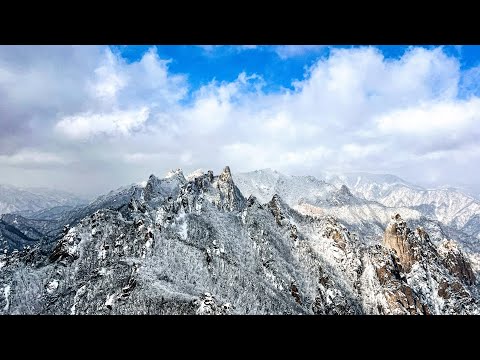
x=445, y=269
x=198, y=247
x=230, y=197
x=456, y=262
x=276, y=209
x=399, y=296
x=398, y=237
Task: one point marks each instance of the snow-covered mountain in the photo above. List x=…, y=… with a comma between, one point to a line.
x=14, y=199
x=449, y=205
x=201, y=244
x=366, y=201
x=18, y=230
x=314, y=197
x=293, y=189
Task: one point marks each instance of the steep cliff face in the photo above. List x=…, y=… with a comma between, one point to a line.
x=456, y=262
x=198, y=246
x=400, y=239
x=451, y=206
x=441, y=275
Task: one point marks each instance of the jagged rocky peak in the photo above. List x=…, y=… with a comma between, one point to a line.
x=412, y=246
x=397, y=238
x=195, y=174
x=200, y=247
x=275, y=206
x=218, y=190
x=226, y=175
x=345, y=190
x=252, y=200
x=230, y=196
x=152, y=179
x=175, y=173
x=150, y=187
x=456, y=262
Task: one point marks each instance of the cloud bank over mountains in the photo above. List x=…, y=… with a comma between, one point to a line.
x=86, y=119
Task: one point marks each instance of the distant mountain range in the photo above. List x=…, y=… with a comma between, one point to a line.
x=244, y=243
x=15, y=199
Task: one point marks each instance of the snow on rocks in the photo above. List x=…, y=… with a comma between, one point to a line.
x=157, y=249
x=52, y=286
x=110, y=301
x=6, y=294
x=207, y=305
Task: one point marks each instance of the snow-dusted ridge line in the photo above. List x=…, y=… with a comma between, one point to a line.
x=201, y=245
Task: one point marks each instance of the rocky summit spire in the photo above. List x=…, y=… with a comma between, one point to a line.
x=230, y=196
x=226, y=175
x=397, y=238
x=276, y=209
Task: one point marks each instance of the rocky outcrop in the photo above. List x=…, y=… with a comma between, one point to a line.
x=399, y=297
x=456, y=262
x=197, y=247
x=399, y=238
x=431, y=277
x=230, y=197
x=207, y=305
x=275, y=207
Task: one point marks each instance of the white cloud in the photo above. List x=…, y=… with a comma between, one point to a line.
x=83, y=126
x=354, y=151
x=109, y=79
x=29, y=157
x=146, y=82
x=211, y=49
x=430, y=118
x=140, y=157
x=470, y=85
x=353, y=110
x=289, y=51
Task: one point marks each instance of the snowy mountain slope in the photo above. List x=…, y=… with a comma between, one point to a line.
x=314, y=197
x=263, y=184
x=13, y=199
x=199, y=246
x=369, y=217
x=369, y=186
x=48, y=224
x=450, y=206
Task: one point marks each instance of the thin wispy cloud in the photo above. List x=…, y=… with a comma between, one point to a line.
x=289, y=51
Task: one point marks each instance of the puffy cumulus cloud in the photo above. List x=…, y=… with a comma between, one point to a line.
x=415, y=116
x=432, y=118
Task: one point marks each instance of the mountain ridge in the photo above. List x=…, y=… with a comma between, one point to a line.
x=20, y=199
x=202, y=246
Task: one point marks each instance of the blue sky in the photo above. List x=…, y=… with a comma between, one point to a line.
x=224, y=63
x=91, y=118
